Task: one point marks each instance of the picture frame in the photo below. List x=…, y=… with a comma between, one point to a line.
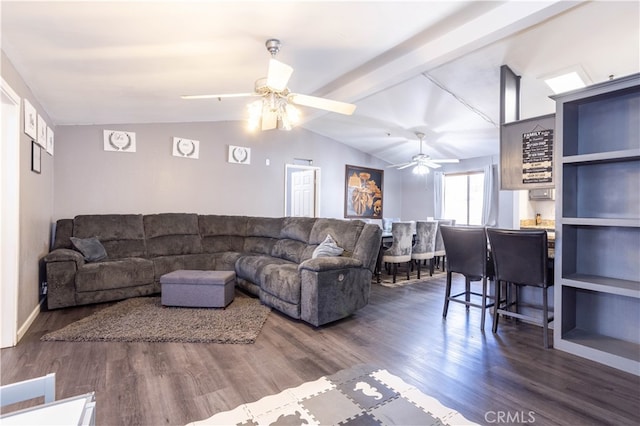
x=36, y=157
x=239, y=155
x=186, y=148
x=119, y=141
x=42, y=132
x=30, y=120
x=50, y=139
x=363, y=192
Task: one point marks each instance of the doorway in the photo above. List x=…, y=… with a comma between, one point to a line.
x=9, y=214
x=302, y=191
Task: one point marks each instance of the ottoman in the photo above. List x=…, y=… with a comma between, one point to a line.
x=198, y=289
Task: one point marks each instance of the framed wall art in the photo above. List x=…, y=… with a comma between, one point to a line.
x=119, y=141
x=42, y=132
x=49, y=141
x=36, y=157
x=186, y=148
x=363, y=192
x=30, y=120
x=239, y=155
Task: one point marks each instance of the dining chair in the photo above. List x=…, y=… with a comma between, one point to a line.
x=424, y=247
x=521, y=259
x=467, y=254
x=44, y=386
x=400, y=249
x=439, y=254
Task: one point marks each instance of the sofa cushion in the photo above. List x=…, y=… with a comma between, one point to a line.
x=217, y=225
x=91, y=248
x=113, y=274
x=264, y=226
x=282, y=281
x=250, y=267
x=122, y=235
x=260, y=245
x=297, y=228
x=165, y=264
x=345, y=232
x=172, y=234
x=63, y=233
x=290, y=250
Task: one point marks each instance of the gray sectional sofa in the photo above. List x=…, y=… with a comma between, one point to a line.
x=272, y=259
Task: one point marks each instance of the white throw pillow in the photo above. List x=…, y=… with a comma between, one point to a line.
x=327, y=248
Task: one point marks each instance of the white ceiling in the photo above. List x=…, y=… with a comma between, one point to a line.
x=429, y=66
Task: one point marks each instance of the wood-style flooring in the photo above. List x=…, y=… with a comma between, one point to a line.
x=486, y=377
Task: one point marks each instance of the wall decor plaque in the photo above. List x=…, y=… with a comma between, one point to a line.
x=186, y=148
x=30, y=120
x=120, y=141
x=239, y=155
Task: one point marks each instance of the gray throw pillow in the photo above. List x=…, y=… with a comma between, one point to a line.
x=327, y=248
x=91, y=248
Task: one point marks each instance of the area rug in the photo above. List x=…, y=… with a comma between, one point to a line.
x=144, y=319
x=401, y=278
x=361, y=395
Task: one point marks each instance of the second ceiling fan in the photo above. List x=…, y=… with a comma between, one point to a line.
x=422, y=162
x=276, y=108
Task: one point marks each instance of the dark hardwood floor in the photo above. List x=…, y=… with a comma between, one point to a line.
x=402, y=330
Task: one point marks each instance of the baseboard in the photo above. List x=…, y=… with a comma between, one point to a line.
x=32, y=317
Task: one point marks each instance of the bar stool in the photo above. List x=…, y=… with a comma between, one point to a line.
x=521, y=258
x=467, y=254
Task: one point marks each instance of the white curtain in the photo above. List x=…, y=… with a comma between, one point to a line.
x=488, y=197
x=438, y=195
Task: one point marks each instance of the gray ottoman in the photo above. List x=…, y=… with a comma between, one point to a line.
x=198, y=289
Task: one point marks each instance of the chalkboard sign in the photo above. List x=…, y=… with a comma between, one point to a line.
x=537, y=156
x=524, y=144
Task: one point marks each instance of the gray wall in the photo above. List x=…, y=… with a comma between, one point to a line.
x=36, y=203
x=90, y=180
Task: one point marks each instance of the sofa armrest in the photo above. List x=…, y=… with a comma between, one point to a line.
x=65, y=255
x=328, y=294
x=62, y=266
x=320, y=264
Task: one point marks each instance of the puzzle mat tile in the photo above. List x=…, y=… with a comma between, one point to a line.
x=361, y=395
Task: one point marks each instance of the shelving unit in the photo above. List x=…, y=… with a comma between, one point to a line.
x=597, y=274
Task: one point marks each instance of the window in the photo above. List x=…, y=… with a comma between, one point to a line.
x=463, y=197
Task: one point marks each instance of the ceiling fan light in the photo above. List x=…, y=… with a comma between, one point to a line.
x=420, y=170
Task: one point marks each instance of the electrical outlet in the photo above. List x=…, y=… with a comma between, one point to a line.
x=43, y=288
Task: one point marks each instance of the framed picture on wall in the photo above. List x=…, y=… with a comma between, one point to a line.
x=42, y=132
x=36, y=157
x=363, y=192
x=30, y=120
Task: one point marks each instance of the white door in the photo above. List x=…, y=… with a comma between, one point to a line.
x=9, y=215
x=303, y=193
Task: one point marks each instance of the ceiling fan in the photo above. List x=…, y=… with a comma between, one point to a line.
x=276, y=108
x=422, y=162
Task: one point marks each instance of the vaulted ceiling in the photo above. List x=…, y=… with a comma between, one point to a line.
x=428, y=66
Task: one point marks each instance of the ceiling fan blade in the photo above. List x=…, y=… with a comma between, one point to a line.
x=452, y=161
x=399, y=164
x=227, y=95
x=431, y=164
x=269, y=119
x=413, y=163
x=278, y=75
x=322, y=103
